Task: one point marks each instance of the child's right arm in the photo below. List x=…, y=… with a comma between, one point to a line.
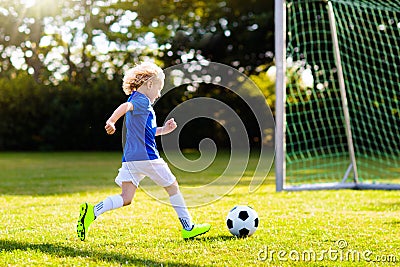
x=118, y=113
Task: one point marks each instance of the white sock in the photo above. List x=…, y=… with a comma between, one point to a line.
x=110, y=203
x=179, y=205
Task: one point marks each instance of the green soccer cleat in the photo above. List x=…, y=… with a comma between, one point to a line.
x=198, y=229
x=86, y=217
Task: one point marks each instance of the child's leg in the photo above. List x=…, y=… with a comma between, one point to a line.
x=178, y=202
x=189, y=230
x=116, y=201
x=88, y=212
x=160, y=173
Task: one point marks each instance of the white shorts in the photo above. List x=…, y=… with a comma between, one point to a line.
x=135, y=171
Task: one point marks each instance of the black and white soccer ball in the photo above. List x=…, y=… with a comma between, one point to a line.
x=242, y=221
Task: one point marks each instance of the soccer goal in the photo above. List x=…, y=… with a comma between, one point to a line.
x=337, y=94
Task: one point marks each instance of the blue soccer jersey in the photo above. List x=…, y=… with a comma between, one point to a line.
x=141, y=126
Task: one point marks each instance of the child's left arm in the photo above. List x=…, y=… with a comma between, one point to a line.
x=168, y=127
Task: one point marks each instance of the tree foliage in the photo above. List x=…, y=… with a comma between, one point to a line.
x=62, y=61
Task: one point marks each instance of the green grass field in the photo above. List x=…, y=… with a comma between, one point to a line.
x=40, y=194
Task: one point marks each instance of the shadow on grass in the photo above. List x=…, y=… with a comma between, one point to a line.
x=395, y=223
x=65, y=251
x=215, y=238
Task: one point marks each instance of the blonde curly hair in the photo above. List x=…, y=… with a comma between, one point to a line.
x=138, y=75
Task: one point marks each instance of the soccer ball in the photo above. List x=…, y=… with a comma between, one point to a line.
x=242, y=221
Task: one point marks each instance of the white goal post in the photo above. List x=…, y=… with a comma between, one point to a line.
x=324, y=139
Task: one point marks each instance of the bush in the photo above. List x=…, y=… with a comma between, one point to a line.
x=63, y=117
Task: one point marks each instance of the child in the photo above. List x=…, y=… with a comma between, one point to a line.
x=141, y=158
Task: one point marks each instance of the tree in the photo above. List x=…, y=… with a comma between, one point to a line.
x=77, y=50
x=80, y=40
x=21, y=31
x=233, y=32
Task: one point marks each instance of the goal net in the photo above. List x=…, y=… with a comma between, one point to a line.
x=338, y=94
